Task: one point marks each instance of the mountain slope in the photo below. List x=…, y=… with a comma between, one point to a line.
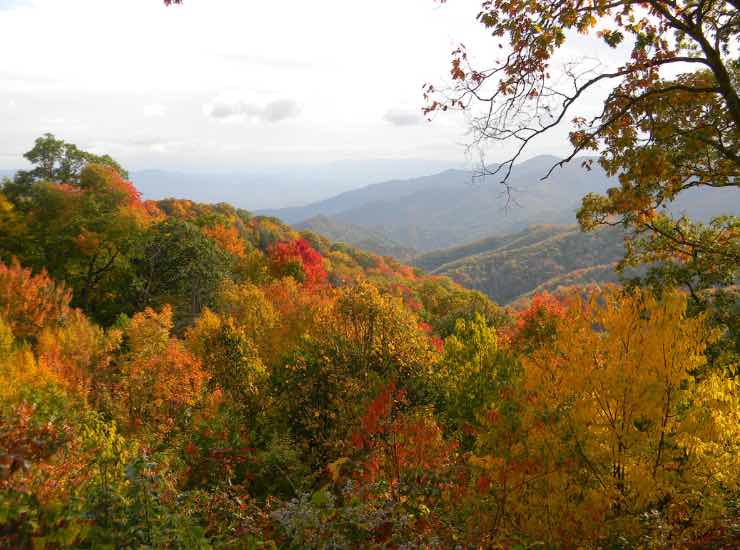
x=375, y=193
x=432, y=261
x=541, y=257
x=366, y=239
x=451, y=208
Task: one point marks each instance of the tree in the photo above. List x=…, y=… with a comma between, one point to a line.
x=76, y=215
x=77, y=353
x=29, y=303
x=617, y=419
x=159, y=377
x=660, y=135
x=379, y=334
x=227, y=238
x=536, y=326
x=471, y=375
x=248, y=306
x=181, y=266
x=111, y=223
x=231, y=358
x=83, y=234
x=57, y=161
x=299, y=260
x=523, y=101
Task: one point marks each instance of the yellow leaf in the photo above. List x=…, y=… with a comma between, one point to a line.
x=336, y=466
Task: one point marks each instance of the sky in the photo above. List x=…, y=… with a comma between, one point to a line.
x=234, y=84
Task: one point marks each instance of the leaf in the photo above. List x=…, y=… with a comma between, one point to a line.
x=336, y=466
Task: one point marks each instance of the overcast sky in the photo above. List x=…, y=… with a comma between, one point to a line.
x=234, y=84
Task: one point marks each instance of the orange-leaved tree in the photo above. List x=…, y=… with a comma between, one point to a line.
x=158, y=378
x=28, y=302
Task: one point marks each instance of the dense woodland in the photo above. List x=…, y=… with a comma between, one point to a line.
x=185, y=375
x=188, y=375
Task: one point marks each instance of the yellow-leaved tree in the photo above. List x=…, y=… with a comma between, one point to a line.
x=621, y=431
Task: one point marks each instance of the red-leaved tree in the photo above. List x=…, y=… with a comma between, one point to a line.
x=300, y=260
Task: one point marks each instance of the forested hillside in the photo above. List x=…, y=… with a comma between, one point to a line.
x=543, y=257
x=431, y=261
x=366, y=239
x=119, y=254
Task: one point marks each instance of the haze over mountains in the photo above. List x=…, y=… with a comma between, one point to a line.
x=279, y=187
x=262, y=187
x=517, y=248
x=450, y=208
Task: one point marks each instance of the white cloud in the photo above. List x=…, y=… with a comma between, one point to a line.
x=158, y=148
x=403, y=117
x=281, y=109
x=239, y=110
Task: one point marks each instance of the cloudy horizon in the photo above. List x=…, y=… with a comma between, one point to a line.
x=223, y=85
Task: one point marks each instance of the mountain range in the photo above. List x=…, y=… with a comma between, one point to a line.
x=278, y=187
x=453, y=208
x=450, y=224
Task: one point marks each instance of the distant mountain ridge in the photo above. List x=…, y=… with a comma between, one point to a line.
x=278, y=187
x=538, y=258
x=261, y=187
x=370, y=194
x=451, y=208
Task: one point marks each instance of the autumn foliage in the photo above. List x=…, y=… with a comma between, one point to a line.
x=30, y=302
x=192, y=376
x=535, y=326
x=299, y=259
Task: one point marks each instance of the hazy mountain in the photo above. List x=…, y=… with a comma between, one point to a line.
x=372, y=194
x=278, y=187
x=705, y=203
x=540, y=257
x=363, y=238
x=450, y=208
